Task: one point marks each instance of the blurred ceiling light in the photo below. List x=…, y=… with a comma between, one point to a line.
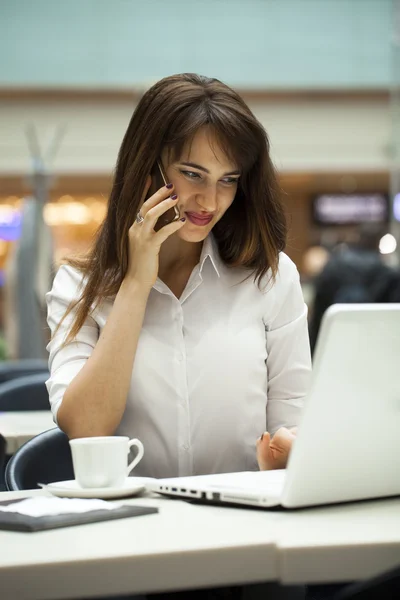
x=77, y=213
x=387, y=244
x=10, y=222
x=9, y=216
x=74, y=213
x=6, y=210
x=52, y=214
x=66, y=198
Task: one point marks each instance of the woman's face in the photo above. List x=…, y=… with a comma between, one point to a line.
x=205, y=181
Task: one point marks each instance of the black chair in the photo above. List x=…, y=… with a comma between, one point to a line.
x=44, y=459
x=11, y=369
x=25, y=393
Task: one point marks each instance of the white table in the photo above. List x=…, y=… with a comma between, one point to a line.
x=182, y=546
x=186, y=546
x=340, y=543
x=17, y=427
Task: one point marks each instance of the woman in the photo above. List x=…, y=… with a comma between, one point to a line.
x=192, y=338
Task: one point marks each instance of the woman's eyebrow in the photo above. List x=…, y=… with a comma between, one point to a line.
x=200, y=168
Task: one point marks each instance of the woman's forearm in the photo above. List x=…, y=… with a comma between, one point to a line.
x=94, y=402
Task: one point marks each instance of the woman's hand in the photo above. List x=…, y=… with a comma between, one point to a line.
x=273, y=453
x=144, y=242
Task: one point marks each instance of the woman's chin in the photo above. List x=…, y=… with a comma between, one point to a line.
x=193, y=234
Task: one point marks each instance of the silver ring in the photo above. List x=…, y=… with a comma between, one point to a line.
x=139, y=218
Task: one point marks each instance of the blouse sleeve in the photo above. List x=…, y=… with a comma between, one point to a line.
x=66, y=361
x=288, y=348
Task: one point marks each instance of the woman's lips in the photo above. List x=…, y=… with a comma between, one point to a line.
x=198, y=219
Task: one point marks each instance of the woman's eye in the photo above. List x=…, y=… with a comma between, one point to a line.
x=191, y=174
x=226, y=180
x=230, y=180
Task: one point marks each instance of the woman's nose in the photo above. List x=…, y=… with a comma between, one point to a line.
x=208, y=200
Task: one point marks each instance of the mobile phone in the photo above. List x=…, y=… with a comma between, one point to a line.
x=159, y=179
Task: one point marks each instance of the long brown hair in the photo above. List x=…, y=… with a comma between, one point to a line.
x=250, y=234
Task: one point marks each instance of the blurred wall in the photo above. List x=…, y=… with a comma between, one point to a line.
x=248, y=43
x=315, y=72
x=321, y=132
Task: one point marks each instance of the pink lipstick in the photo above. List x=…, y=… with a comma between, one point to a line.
x=197, y=219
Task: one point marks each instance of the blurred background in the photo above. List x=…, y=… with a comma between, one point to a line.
x=322, y=76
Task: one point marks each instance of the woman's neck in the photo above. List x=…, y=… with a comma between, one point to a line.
x=177, y=254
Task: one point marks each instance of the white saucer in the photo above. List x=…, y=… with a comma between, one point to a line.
x=71, y=489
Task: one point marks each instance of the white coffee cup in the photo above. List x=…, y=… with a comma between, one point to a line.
x=101, y=462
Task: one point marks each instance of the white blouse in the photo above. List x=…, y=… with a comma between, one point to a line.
x=213, y=369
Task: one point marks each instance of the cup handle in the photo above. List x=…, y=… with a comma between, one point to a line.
x=138, y=456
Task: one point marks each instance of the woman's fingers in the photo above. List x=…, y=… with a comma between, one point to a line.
x=263, y=440
x=282, y=440
x=160, y=195
x=168, y=230
x=144, y=242
x=153, y=214
x=273, y=453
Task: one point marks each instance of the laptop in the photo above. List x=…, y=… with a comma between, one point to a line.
x=348, y=442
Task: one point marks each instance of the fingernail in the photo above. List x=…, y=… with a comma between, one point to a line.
x=169, y=186
x=174, y=197
x=183, y=219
